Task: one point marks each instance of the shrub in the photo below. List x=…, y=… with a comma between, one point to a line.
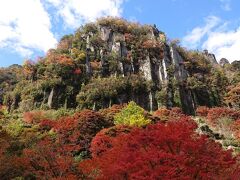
x=202, y=111
x=91, y=122
x=77, y=132
x=162, y=151
x=103, y=140
x=169, y=114
x=110, y=112
x=233, y=96
x=3, y=111
x=34, y=117
x=15, y=128
x=47, y=124
x=131, y=115
x=48, y=160
x=162, y=113
x=56, y=114
x=235, y=127
x=10, y=167
x=215, y=114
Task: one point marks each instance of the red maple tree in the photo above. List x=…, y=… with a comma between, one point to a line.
x=161, y=151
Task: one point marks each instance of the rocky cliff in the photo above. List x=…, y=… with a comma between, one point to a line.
x=158, y=61
x=113, y=47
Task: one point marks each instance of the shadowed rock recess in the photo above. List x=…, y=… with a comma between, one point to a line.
x=113, y=61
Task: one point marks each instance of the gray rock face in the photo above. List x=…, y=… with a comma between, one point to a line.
x=181, y=74
x=50, y=98
x=223, y=62
x=210, y=57
x=161, y=70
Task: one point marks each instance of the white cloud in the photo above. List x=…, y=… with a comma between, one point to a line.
x=226, y=5
x=193, y=38
x=77, y=12
x=217, y=38
x=224, y=44
x=25, y=26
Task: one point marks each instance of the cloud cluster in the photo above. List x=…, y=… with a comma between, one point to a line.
x=224, y=44
x=76, y=12
x=26, y=25
x=215, y=36
x=193, y=38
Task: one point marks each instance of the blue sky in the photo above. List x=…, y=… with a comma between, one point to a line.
x=28, y=28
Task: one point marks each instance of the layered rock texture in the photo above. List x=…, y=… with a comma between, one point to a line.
x=137, y=61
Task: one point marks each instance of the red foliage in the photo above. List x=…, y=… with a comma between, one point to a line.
x=77, y=71
x=162, y=113
x=166, y=114
x=49, y=159
x=68, y=134
x=161, y=151
x=103, y=140
x=202, y=111
x=47, y=124
x=235, y=127
x=75, y=133
x=214, y=114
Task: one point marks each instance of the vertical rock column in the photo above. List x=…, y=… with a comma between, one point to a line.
x=180, y=74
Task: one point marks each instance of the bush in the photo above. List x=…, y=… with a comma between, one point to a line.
x=161, y=151
x=10, y=167
x=214, y=114
x=3, y=111
x=15, y=128
x=131, y=115
x=34, y=117
x=202, y=111
x=103, y=140
x=235, y=127
x=169, y=114
x=109, y=113
x=162, y=113
x=47, y=159
x=77, y=132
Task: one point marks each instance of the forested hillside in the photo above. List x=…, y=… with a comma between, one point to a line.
x=119, y=100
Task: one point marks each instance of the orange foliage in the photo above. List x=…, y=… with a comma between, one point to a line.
x=33, y=117
x=55, y=58
x=95, y=65
x=235, y=127
x=214, y=114
x=151, y=44
x=166, y=114
x=202, y=111
x=233, y=96
x=28, y=67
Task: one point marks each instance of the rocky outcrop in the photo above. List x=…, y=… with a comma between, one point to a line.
x=161, y=67
x=210, y=57
x=223, y=62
